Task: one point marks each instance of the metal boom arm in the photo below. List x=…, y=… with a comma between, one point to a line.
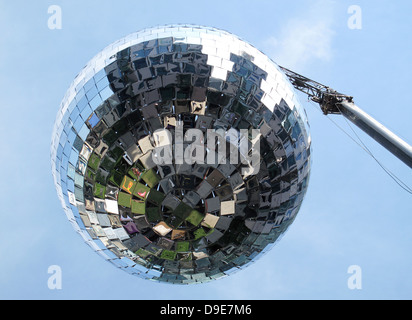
x=332, y=102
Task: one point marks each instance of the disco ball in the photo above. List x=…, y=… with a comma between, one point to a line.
x=140, y=180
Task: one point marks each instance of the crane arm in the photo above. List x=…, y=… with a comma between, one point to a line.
x=333, y=102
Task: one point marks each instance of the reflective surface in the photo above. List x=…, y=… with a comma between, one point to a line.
x=178, y=222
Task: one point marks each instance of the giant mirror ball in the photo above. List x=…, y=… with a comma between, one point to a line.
x=163, y=92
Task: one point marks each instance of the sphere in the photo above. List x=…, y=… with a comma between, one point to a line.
x=180, y=154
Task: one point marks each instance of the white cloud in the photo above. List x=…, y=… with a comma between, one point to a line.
x=305, y=38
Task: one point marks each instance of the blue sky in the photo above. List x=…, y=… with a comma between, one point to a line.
x=353, y=213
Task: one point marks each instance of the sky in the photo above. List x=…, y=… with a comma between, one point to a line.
x=353, y=214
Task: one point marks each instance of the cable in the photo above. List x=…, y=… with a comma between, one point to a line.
x=366, y=149
x=392, y=175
